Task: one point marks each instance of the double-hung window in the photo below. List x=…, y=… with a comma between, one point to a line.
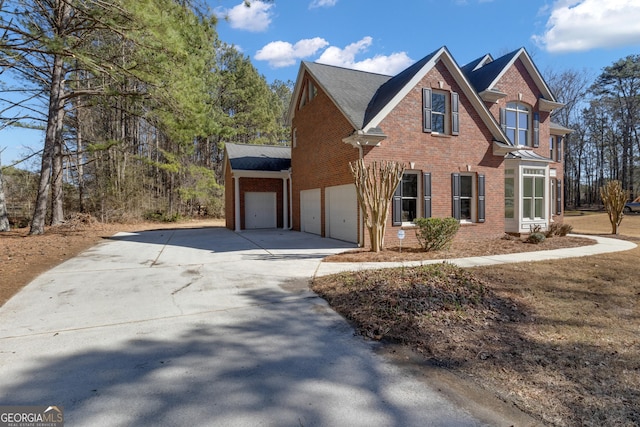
x=533, y=192
x=411, y=201
x=440, y=112
x=409, y=195
x=468, y=197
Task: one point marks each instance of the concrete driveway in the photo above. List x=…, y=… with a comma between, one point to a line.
x=201, y=327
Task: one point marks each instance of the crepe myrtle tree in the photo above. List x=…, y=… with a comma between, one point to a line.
x=614, y=199
x=375, y=185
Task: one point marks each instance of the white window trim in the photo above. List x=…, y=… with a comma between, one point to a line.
x=529, y=128
x=474, y=198
x=418, y=192
x=446, y=114
x=534, y=172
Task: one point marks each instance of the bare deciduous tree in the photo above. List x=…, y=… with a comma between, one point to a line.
x=375, y=185
x=614, y=198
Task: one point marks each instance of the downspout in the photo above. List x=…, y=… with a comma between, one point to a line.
x=236, y=196
x=361, y=234
x=290, y=200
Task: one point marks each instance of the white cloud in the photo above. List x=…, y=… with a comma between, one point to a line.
x=322, y=3
x=382, y=64
x=580, y=25
x=254, y=18
x=283, y=54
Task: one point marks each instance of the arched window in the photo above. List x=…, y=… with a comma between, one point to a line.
x=517, y=123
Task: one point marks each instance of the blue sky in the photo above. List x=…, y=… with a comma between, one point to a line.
x=386, y=36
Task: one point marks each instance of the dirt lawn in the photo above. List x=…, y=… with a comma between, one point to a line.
x=558, y=339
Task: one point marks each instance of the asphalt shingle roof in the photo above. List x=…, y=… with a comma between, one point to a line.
x=351, y=90
x=482, y=78
x=259, y=157
x=390, y=88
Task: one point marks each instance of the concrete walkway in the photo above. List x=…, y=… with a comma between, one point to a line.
x=602, y=245
x=206, y=327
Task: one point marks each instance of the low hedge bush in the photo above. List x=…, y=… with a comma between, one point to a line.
x=434, y=234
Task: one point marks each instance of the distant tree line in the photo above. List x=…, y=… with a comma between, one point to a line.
x=136, y=99
x=605, y=117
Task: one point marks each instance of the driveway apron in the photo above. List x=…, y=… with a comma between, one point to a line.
x=201, y=327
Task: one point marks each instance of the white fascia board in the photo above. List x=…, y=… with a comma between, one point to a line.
x=531, y=68
x=475, y=99
x=546, y=105
x=375, y=122
x=296, y=93
x=444, y=55
x=240, y=173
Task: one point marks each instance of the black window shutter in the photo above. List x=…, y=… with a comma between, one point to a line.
x=558, y=197
x=397, y=205
x=455, y=193
x=481, y=198
x=426, y=189
x=426, y=110
x=536, y=129
x=503, y=120
x=455, y=119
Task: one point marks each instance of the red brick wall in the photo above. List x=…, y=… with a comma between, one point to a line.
x=229, y=206
x=442, y=155
x=516, y=80
x=319, y=159
x=267, y=185
x=272, y=185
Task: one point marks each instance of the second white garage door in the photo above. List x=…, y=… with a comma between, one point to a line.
x=260, y=210
x=341, y=206
x=310, y=209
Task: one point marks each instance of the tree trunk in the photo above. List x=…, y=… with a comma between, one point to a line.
x=54, y=127
x=4, y=219
x=57, y=210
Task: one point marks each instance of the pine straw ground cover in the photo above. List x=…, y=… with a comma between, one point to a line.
x=559, y=339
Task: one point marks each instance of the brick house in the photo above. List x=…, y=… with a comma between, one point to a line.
x=477, y=141
x=257, y=180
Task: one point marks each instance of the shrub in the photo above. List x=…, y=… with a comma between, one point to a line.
x=564, y=229
x=536, y=238
x=552, y=230
x=434, y=234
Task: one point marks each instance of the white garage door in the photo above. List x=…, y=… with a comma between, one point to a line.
x=260, y=210
x=310, y=211
x=342, y=214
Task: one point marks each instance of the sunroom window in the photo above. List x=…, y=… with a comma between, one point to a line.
x=533, y=193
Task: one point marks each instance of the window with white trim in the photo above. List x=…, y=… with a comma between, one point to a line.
x=468, y=197
x=516, y=123
x=440, y=112
x=509, y=194
x=533, y=194
x=409, y=196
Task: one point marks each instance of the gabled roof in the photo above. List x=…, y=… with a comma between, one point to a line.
x=393, y=86
x=258, y=157
x=397, y=88
x=476, y=63
x=365, y=99
x=350, y=90
x=486, y=77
